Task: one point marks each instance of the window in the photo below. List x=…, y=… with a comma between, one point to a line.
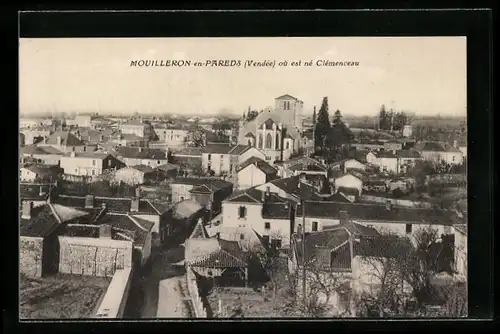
x=242, y=236
x=315, y=226
x=276, y=243
x=408, y=228
x=222, y=156
x=158, y=162
x=209, y=157
x=268, y=157
x=265, y=238
x=287, y=145
x=93, y=162
x=267, y=225
x=242, y=212
x=93, y=172
x=182, y=198
x=277, y=144
x=453, y=158
x=231, y=168
x=269, y=141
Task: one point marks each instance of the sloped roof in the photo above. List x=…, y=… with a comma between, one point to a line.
x=228, y=255
x=167, y=167
x=247, y=238
x=67, y=139
x=253, y=195
x=141, y=153
x=286, y=97
x=43, y=170
x=385, y=154
x=46, y=218
x=29, y=191
x=143, y=168
x=186, y=209
x=259, y=163
x=408, y=154
x=212, y=183
x=35, y=149
x=114, y=205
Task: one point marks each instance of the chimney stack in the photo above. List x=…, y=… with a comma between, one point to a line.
x=344, y=217
x=263, y=196
x=59, y=140
x=105, y=231
x=134, y=205
x=138, y=192
x=27, y=207
x=388, y=205
x=89, y=202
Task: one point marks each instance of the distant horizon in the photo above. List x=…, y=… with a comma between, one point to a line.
x=421, y=75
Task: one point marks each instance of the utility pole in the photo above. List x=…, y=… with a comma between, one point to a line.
x=303, y=251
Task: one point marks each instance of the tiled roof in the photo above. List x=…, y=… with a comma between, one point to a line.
x=67, y=139
x=195, y=151
x=229, y=255
x=43, y=170
x=348, y=191
x=143, y=168
x=276, y=210
x=118, y=205
x=90, y=155
x=186, y=209
x=408, y=154
x=337, y=197
x=385, y=154
x=287, y=97
x=42, y=222
x=253, y=195
x=378, y=213
x=247, y=238
x=249, y=134
x=217, y=149
x=34, y=149
x=140, y=153
x=261, y=164
x=212, y=183
x=91, y=231
x=167, y=167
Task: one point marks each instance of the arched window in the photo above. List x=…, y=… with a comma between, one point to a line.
x=287, y=145
x=277, y=141
x=260, y=144
x=249, y=142
x=269, y=141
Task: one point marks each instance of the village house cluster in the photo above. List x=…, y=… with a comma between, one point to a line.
x=100, y=194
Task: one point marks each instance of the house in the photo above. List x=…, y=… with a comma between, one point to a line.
x=169, y=170
x=46, y=155
x=460, y=233
x=284, y=167
x=224, y=159
x=350, y=180
x=37, y=193
x=66, y=142
x=26, y=123
x=139, y=128
x=248, y=240
x=171, y=135
x=353, y=164
x=187, y=158
x=89, y=163
x=202, y=190
x=402, y=221
x=308, y=142
x=296, y=188
x=407, y=158
x=184, y=216
x=277, y=133
x=387, y=161
x=308, y=169
x=39, y=172
x=346, y=261
x=129, y=139
x=461, y=143
x=222, y=260
x=407, y=130
x=372, y=145
x=35, y=135
x=133, y=156
x=393, y=145
x=136, y=175
x=254, y=171
x=438, y=152
x=265, y=212
x=38, y=239
x=137, y=207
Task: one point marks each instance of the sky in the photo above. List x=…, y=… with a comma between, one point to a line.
x=421, y=75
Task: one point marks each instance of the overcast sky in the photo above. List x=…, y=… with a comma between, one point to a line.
x=424, y=75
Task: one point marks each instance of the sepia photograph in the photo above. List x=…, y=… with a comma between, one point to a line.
x=264, y=177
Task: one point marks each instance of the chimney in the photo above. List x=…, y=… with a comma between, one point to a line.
x=105, y=231
x=388, y=205
x=59, y=140
x=344, y=217
x=134, y=205
x=268, y=190
x=138, y=192
x=89, y=202
x=27, y=208
x=263, y=196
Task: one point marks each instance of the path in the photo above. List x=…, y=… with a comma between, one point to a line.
x=172, y=302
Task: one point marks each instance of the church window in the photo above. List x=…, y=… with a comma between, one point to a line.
x=287, y=145
x=277, y=141
x=269, y=141
x=261, y=141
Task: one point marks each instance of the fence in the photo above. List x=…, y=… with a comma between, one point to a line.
x=199, y=307
x=113, y=304
x=401, y=202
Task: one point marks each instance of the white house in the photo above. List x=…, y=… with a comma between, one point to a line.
x=135, y=175
x=438, y=152
x=225, y=159
x=385, y=160
x=353, y=164
x=253, y=172
x=31, y=173
x=89, y=164
x=349, y=181
x=266, y=213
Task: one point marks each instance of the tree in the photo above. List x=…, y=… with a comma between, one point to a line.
x=323, y=126
x=314, y=116
x=384, y=119
x=400, y=120
x=195, y=137
x=251, y=115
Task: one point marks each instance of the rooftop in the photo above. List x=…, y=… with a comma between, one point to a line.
x=116, y=205
x=259, y=163
x=45, y=219
x=212, y=183
x=185, y=209
x=67, y=139
x=140, y=153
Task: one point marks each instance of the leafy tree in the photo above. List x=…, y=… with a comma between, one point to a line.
x=400, y=120
x=323, y=126
x=251, y=115
x=195, y=136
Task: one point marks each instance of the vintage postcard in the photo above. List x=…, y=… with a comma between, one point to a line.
x=214, y=178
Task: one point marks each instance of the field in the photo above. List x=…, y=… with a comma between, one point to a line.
x=61, y=296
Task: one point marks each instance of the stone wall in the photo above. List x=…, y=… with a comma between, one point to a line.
x=113, y=304
x=31, y=253
x=93, y=256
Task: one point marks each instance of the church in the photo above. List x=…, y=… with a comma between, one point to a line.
x=277, y=133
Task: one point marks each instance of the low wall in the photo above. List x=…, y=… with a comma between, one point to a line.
x=113, y=304
x=194, y=292
x=401, y=202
